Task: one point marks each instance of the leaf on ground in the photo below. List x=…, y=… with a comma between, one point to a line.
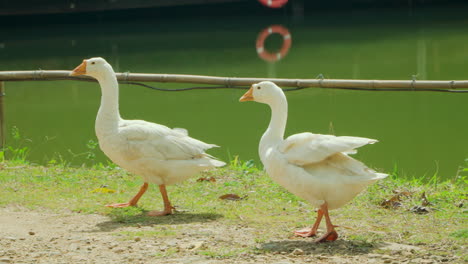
x=420, y=209
x=230, y=196
x=395, y=200
x=402, y=193
x=390, y=204
x=424, y=201
x=103, y=190
x=209, y=179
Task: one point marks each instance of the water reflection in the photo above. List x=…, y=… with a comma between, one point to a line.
x=415, y=130
x=264, y=34
x=272, y=57
x=274, y=3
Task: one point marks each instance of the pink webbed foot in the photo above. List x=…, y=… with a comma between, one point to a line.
x=119, y=205
x=305, y=232
x=133, y=201
x=328, y=237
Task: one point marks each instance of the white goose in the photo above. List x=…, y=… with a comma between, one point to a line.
x=314, y=167
x=161, y=155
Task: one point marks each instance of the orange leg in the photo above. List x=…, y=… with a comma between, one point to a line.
x=134, y=200
x=331, y=234
x=308, y=232
x=167, y=204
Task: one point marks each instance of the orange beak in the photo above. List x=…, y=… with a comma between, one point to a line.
x=248, y=96
x=80, y=70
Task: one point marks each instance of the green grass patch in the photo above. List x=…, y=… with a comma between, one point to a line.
x=265, y=206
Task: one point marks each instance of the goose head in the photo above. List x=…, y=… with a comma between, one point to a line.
x=93, y=67
x=263, y=92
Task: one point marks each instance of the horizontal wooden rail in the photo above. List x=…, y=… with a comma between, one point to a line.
x=235, y=81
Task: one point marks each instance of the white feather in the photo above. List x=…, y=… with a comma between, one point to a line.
x=315, y=167
x=159, y=154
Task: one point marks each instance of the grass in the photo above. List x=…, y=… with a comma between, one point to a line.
x=265, y=204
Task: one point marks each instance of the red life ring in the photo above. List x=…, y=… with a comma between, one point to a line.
x=273, y=3
x=269, y=56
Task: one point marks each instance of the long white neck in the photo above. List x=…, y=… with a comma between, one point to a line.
x=108, y=116
x=275, y=131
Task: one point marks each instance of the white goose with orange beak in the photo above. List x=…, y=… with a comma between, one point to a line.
x=314, y=167
x=160, y=155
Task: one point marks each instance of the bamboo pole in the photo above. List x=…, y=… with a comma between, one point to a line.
x=236, y=81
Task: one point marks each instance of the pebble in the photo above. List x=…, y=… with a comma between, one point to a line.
x=73, y=247
x=386, y=257
x=137, y=239
x=31, y=233
x=198, y=245
x=112, y=245
x=119, y=250
x=298, y=251
x=78, y=258
x=5, y=260
x=322, y=257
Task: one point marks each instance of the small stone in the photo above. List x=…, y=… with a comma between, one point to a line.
x=198, y=245
x=399, y=247
x=73, y=247
x=298, y=251
x=427, y=261
x=78, y=258
x=119, y=250
x=112, y=245
x=5, y=260
x=31, y=233
x=137, y=239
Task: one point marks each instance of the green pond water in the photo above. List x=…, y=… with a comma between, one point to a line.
x=419, y=132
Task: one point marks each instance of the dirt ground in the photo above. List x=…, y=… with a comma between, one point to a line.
x=43, y=237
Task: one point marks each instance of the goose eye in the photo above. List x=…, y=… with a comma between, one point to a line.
x=258, y=88
x=93, y=62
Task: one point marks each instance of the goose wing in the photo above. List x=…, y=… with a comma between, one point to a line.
x=145, y=139
x=306, y=148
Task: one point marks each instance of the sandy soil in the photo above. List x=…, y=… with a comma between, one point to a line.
x=43, y=237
